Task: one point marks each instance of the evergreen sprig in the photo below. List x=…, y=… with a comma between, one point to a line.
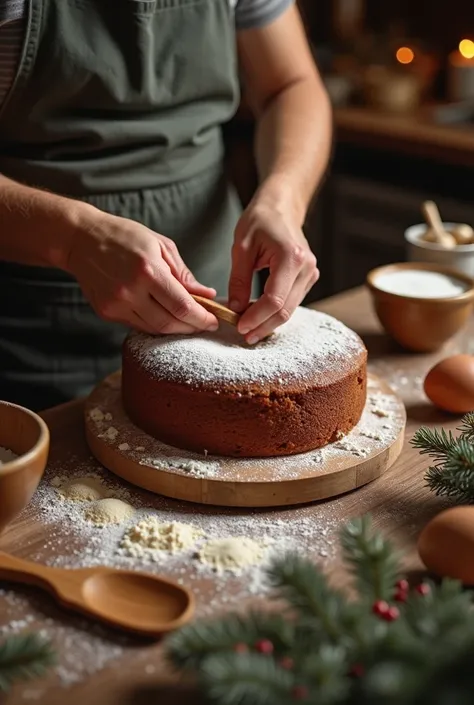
x=385, y=647
x=452, y=474
x=371, y=559
x=23, y=657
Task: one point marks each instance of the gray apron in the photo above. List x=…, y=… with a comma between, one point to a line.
x=118, y=103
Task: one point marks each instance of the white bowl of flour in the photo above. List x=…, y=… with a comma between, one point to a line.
x=460, y=257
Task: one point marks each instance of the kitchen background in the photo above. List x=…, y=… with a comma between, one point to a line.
x=401, y=78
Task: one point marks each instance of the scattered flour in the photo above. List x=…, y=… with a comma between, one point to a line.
x=109, y=511
x=231, y=553
x=110, y=433
x=420, y=284
x=147, y=538
x=6, y=455
x=82, y=489
x=198, y=468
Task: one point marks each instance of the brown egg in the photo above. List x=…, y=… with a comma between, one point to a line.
x=446, y=544
x=450, y=384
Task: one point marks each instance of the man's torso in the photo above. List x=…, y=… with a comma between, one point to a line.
x=13, y=20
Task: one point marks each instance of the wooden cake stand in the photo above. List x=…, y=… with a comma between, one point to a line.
x=365, y=454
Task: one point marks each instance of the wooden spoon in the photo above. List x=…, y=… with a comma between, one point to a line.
x=139, y=602
x=437, y=232
x=221, y=312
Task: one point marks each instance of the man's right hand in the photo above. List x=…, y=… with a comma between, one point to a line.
x=129, y=273
x=135, y=276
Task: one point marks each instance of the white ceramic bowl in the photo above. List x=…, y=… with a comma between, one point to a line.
x=461, y=257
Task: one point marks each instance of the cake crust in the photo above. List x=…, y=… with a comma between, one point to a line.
x=303, y=388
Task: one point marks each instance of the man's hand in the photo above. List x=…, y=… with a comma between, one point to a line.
x=132, y=275
x=269, y=237
x=293, y=141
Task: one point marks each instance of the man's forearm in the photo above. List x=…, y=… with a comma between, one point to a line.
x=293, y=143
x=36, y=227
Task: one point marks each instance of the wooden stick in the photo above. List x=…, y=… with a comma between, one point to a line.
x=436, y=232
x=221, y=312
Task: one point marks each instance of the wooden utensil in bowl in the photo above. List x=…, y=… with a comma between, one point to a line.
x=436, y=232
x=25, y=434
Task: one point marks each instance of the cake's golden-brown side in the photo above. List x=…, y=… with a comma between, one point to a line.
x=302, y=391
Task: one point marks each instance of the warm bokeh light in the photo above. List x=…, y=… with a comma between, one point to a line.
x=405, y=55
x=466, y=48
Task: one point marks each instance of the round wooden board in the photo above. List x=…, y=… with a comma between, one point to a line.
x=362, y=456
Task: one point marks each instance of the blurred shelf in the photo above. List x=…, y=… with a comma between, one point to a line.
x=414, y=135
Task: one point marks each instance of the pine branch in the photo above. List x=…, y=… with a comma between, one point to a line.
x=371, y=560
x=436, y=444
x=325, y=671
x=452, y=475
x=190, y=646
x=306, y=590
x=328, y=650
x=467, y=427
x=23, y=657
x=246, y=679
x=444, y=610
x=254, y=679
x=456, y=477
x=450, y=676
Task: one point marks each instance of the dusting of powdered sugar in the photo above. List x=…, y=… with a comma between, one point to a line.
x=310, y=343
x=381, y=422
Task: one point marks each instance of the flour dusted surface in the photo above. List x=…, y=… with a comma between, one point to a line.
x=65, y=538
x=310, y=343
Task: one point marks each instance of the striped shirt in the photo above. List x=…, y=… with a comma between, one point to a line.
x=13, y=18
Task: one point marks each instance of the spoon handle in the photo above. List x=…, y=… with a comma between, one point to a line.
x=219, y=311
x=20, y=571
x=432, y=216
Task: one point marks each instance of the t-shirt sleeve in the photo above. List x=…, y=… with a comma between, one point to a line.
x=257, y=13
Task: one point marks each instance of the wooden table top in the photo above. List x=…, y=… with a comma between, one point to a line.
x=398, y=502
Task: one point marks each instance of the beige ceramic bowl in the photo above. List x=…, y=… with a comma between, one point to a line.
x=421, y=325
x=26, y=434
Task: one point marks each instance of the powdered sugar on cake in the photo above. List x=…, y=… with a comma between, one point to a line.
x=310, y=343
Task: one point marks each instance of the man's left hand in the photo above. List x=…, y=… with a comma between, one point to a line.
x=269, y=236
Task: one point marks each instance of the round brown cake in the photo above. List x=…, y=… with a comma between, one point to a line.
x=300, y=389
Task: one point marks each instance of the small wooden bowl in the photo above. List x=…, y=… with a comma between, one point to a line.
x=26, y=434
x=421, y=325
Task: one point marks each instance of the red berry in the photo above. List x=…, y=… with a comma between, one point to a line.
x=286, y=662
x=300, y=692
x=241, y=648
x=400, y=596
x=357, y=670
x=391, y=614
x=423, y=589
x=403, y=585
x=264, y=646
x=380, y=608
